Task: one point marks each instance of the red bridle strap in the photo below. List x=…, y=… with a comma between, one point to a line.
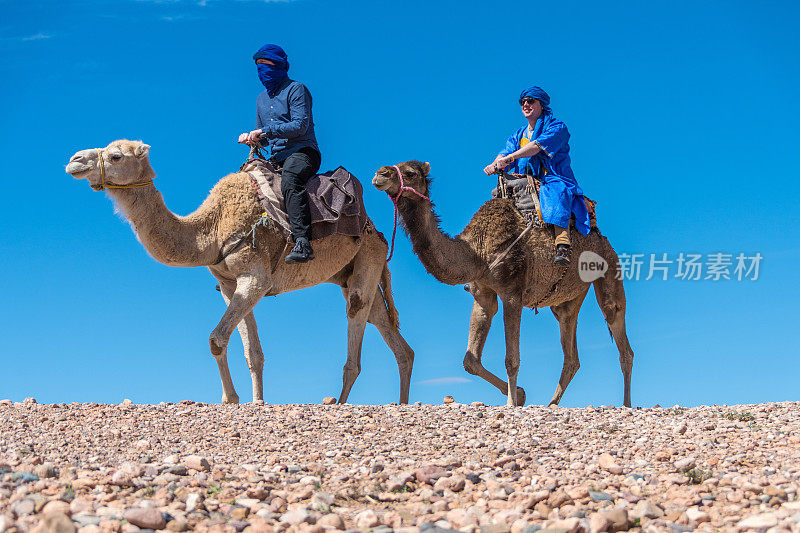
x=394, y=199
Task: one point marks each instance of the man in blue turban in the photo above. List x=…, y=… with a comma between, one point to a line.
x=285, y=125
x=541, y=149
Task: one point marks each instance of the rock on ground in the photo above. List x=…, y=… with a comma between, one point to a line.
x=428, y=468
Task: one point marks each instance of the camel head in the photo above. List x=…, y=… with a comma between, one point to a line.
x=124, y=163
x=415, y=175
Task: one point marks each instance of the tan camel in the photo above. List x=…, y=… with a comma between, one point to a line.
x=247, y=274
x=524, y=278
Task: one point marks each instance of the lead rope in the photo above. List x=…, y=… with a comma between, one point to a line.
x=394, y=201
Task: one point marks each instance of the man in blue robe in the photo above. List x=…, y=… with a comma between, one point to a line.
x=541, y=149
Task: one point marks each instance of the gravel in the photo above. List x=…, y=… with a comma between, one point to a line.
x=429, y=468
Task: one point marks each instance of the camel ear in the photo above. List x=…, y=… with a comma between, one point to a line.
x=142, y=150
x=426, y=168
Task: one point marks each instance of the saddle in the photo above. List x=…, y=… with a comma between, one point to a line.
x=335, y=199
x=524, y=191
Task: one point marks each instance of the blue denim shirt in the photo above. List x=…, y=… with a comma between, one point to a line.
x=286, y=120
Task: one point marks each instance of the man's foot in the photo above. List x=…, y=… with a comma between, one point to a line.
x=301, y=252
x=562, y=255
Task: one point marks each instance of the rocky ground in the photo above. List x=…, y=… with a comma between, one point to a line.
x=427, y=468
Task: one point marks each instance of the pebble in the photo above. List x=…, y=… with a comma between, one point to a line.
x=696, y=516
x=760, y=521
x=647, y=509
x=606, y=462
x=145, y=518
x=367, y=519
x=56, y=506
x=54, y=523
x=448, y=399
x=683, y=465
x=331, y=520
x=617, y=519
x=429, y=474
x=197, y=462
x=25, y=506
x=191, y=501
x=599, y=495
x=297, y=517
x=328, y=400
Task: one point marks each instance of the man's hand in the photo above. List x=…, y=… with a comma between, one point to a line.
x=250, y=138
x=500, y=162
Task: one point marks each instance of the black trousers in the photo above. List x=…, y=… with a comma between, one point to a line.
x=297, y=169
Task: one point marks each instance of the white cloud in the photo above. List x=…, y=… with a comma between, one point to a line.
x=444, y=381
x=37, y=37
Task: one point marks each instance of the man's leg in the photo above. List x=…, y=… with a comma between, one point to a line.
x=562, y=245
x=297, y=170
x=562, y=235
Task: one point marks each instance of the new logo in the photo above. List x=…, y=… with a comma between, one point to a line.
x=591, y=266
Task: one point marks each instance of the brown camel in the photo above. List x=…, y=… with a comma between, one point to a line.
x=523, y=278
x=247, y=274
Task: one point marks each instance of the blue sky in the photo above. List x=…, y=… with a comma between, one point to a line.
x=684, y=128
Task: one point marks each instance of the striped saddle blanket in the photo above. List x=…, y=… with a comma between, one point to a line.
x=335, y=199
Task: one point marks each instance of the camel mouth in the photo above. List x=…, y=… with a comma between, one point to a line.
x=381, y=183
x=75, y=168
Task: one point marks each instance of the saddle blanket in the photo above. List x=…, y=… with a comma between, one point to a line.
x=335, y=200
x=524, y=191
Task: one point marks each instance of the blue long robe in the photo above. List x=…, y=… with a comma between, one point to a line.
x=560, y=194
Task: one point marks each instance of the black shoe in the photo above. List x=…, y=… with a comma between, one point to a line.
x=301, y=253
x=562, y=255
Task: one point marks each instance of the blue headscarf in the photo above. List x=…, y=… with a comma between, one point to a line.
x=272, y=76
x=539, y=94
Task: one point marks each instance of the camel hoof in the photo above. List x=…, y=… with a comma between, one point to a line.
x=520, y=397
x=230, y=400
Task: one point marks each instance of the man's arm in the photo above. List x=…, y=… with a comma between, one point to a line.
x=253, y=136
x=299, y=112
x=550, y=141
x=502, y=160
x=553, y=138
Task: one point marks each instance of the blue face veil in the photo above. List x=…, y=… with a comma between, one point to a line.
x=539, y=94
x=272, y=76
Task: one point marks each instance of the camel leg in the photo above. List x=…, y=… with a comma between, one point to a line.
x=359, y=294
x=248, y=331
x=611, y=296
x=512, y=317
x=483, y=310
x=250, y=288
x=567, y=315
x=379, y=317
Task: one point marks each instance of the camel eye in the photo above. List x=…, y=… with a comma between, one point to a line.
x=115, y=156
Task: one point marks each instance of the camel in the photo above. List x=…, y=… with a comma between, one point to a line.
x=248, y=272
x=526, y=277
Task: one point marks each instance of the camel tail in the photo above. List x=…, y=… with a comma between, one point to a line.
x=388, y=299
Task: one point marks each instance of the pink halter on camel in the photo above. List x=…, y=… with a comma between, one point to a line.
x=394, y=199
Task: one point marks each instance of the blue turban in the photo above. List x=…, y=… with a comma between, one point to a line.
x=539, y=94
x=272, y=76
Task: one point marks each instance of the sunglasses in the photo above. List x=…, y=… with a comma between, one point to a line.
x=527, y=100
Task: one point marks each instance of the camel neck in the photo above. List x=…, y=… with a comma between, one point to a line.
x=169, y=238
x=448, y=259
